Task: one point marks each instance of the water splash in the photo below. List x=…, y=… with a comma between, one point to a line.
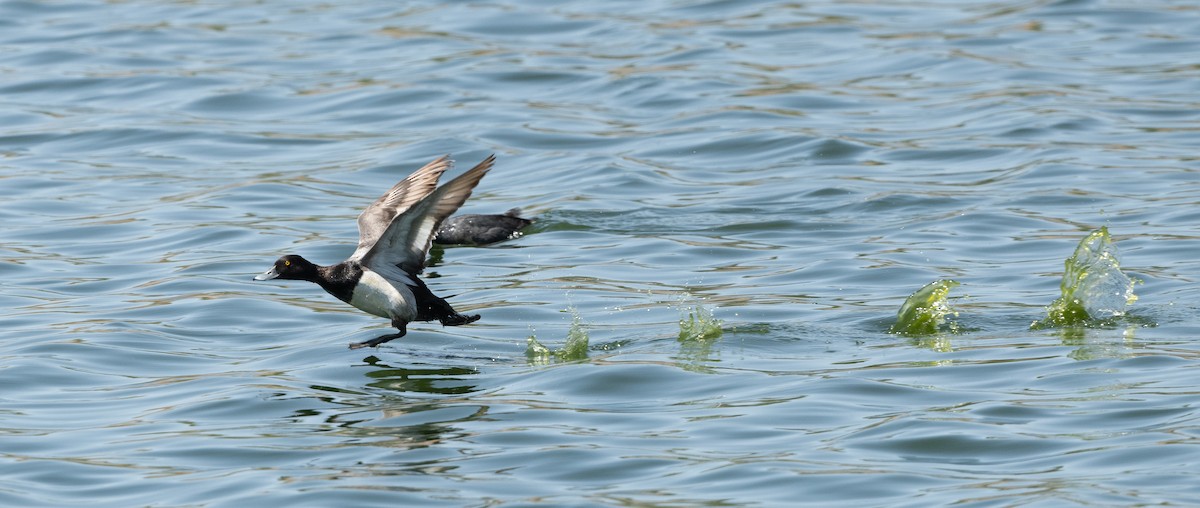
x=925, y=311
x=699, y=325
x=1093, y=286
x=576, y=347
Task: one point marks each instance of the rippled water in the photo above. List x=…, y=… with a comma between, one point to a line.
x=796, y=169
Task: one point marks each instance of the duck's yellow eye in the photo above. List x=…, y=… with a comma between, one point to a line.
x=287, y=262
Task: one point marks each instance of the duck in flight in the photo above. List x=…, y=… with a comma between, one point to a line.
x=394, y=235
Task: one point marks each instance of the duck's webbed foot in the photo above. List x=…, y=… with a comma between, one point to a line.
x=457, y=319
x=430, y=307
x=382, y=338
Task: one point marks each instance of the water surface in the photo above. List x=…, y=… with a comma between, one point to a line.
x=796, y=169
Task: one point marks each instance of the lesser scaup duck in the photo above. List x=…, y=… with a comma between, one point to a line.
x=475, y=229
x=394, y=235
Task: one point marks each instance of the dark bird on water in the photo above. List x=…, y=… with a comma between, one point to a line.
x=394, y=235
x=473, y=229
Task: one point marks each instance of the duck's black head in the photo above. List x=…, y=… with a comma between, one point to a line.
x=291, y=267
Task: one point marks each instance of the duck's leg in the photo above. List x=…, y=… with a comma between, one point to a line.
x=383, y=338
x=430, y=307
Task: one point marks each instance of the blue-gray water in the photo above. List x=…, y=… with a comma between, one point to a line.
x=796, y=168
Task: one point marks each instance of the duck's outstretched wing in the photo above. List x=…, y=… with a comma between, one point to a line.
x=374, y=220
x=406, y=240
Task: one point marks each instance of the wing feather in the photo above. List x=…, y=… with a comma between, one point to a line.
x=374, y=220
x=406, y=240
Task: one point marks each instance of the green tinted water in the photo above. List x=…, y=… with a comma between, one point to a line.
x=1093, y=286
x=699, y=325
x=924, y=312
x=575, y=348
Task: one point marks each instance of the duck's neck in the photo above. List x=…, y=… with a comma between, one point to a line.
x=339, y=280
